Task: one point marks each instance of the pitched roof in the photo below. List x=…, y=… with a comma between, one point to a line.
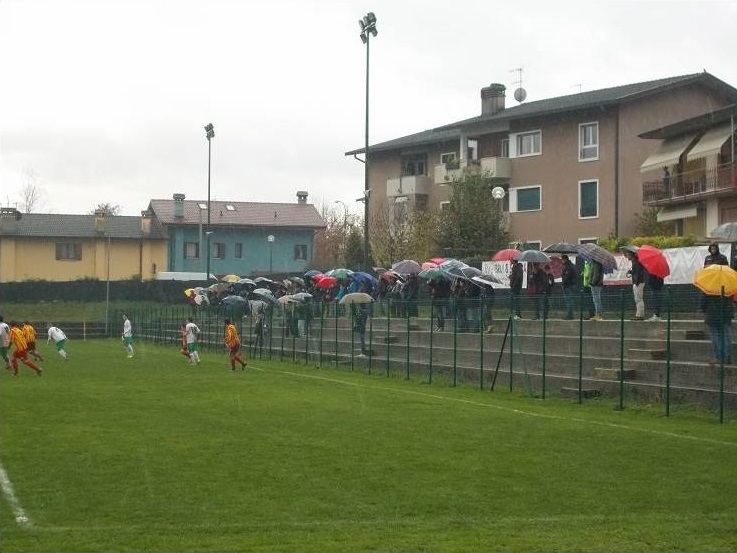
x=549, y=106
x=45, y=225
x=245, y=214
x=694, y=124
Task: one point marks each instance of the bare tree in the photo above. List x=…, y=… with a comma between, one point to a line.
x=107, y=208
x=330, y=242
x=32, y=193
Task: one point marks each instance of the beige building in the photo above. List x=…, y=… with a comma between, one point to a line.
x=570, y=166
x=71, y=247
x=692, y=175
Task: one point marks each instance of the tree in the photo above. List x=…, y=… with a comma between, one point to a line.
x=32, y=192
x=473, y=224
x=330, y=242
x=107, y=208
x=390, y=233
x=647, y=224
x=354, y=249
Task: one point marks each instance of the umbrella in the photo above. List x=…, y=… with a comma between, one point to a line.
x=533, y=256
x=486, y=280
x=597, y=253
x=714, y=279
x=432, y=272
x=560, y=247
x=391, y=276
x=247, y=282
x=429, y=265
x=629, y=248
x=356, y=297
x=302, y=296
x=260, y=280
x=312, y=272
x=326, y=282
x=407, y=267
x=297, y=280
x=726, y=232
x=437, y=260
x=266, y=295
x=283, y=300
x=190, y=292
x=200, y=299
x=505, y=255
x=654, y=261
x=237, y=304
x=218, y=287
x=379, y=270
x=449, y=264
x=470, y=272
x=340, y=273
x=316, y=277
x=361, y=275
x=257, y=306
x=230, y=279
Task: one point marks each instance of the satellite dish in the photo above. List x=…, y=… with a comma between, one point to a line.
x=520, y=94
x=497, y=193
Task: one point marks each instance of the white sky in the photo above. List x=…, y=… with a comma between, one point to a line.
x=105, y=101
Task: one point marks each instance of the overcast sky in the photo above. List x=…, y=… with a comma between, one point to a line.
x=105, y=101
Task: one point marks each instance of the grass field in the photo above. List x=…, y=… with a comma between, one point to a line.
x=105, y=453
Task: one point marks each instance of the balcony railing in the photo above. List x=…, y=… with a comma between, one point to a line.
x=496, y=168
x=690, y=185
x=409, y=185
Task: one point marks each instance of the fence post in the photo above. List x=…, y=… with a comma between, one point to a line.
x=667, y=355
x=481, y=341
x=408, y=311
x=432, y=326
x=621, y=350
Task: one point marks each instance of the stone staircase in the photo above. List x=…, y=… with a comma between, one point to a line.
x=648, y=361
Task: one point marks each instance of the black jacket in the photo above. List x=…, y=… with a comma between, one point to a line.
x=717, y=308
x=569, y=277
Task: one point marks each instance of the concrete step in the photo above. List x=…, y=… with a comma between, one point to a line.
x=644, y=353
x=572, y=393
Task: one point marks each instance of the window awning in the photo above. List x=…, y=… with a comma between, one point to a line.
x=671, y=214
x=711, y=143
x=668, y=153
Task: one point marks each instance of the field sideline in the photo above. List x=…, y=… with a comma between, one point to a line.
x=105, y=453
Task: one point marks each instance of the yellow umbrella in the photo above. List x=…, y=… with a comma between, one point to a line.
x=232, y=279
x=715, y=279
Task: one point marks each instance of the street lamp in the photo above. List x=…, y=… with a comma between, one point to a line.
x=270, y=239
x=210, y=133
x=368, y=29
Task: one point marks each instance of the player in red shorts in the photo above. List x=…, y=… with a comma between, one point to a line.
x=233, y=343
x=183, y=343
x=21, y=350
x=29, y=333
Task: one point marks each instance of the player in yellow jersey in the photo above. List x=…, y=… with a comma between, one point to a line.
x=18, y=341
x=233, y=343
x=30, y=335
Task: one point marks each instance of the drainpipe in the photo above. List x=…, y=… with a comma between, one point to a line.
x=616, y=175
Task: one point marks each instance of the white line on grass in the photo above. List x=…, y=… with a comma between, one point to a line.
x=18, y=513
x=507, y=409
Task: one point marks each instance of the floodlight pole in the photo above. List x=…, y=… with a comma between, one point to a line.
x=368, y=28
x=210, y=130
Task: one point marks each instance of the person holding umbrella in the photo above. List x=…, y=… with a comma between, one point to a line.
x=597, y=283
x=569, y=281
x=637, y=273
x=516, y=277
x=718, y=313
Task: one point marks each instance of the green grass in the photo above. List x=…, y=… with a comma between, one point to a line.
x=67, y=311
x=149, y=454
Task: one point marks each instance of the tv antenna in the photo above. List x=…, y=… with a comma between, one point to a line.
x=579, y=85
x=520, y=93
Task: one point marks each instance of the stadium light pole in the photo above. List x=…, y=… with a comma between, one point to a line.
x=368, y=29
x=209, y=133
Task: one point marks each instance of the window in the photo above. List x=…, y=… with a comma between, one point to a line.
x=444, y=206
x=300, y=252
x=472, y=149
x=218, y=250
x=588, y=199
x=448, y=157
x=526, y=144
x=191, y=250
x=588, y=142
x=525, y=199
x=504, y=147
x=238, y=251
x=588, y=240
x=414, y=164
x=202, y=206
x=230, y=207
x=70, y=251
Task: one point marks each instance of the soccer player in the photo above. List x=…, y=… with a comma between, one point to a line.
x=4, y=341
x=21, y=350
x=233, y=343
x=60, y=339
x=127, y=336
x=30, y=335
x=192, y=331
x=183, y=343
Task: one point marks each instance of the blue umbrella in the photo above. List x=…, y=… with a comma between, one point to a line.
x=312, y=272
x=365, y=276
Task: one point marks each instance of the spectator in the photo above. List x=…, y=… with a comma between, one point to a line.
x=597, y=283
x=638, y=275
x=656, y=284
x=516, y=277
x=718, y=312
x=715, y=257
x=569, y=280
x=439, y=294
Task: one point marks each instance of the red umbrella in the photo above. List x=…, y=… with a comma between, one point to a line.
x=505, y=255
x=654, y=261
x=429, y=265
x=326, y=282
x=437, y=260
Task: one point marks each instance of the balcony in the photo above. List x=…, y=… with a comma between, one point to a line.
x=495, y=168
x=691, y=185
x=410, y=185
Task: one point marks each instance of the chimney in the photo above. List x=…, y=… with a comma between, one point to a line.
x=301, y=197
x=179, y=206
x=9, y=217
x=146, y=223
x=492, y=99
x=100, y=221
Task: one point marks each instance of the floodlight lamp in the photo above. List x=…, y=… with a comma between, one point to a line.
x=364, y=39
x=362, y=25
x=374, y=31
x=370, y=17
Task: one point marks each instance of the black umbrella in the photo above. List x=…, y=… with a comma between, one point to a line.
x=561, y=247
